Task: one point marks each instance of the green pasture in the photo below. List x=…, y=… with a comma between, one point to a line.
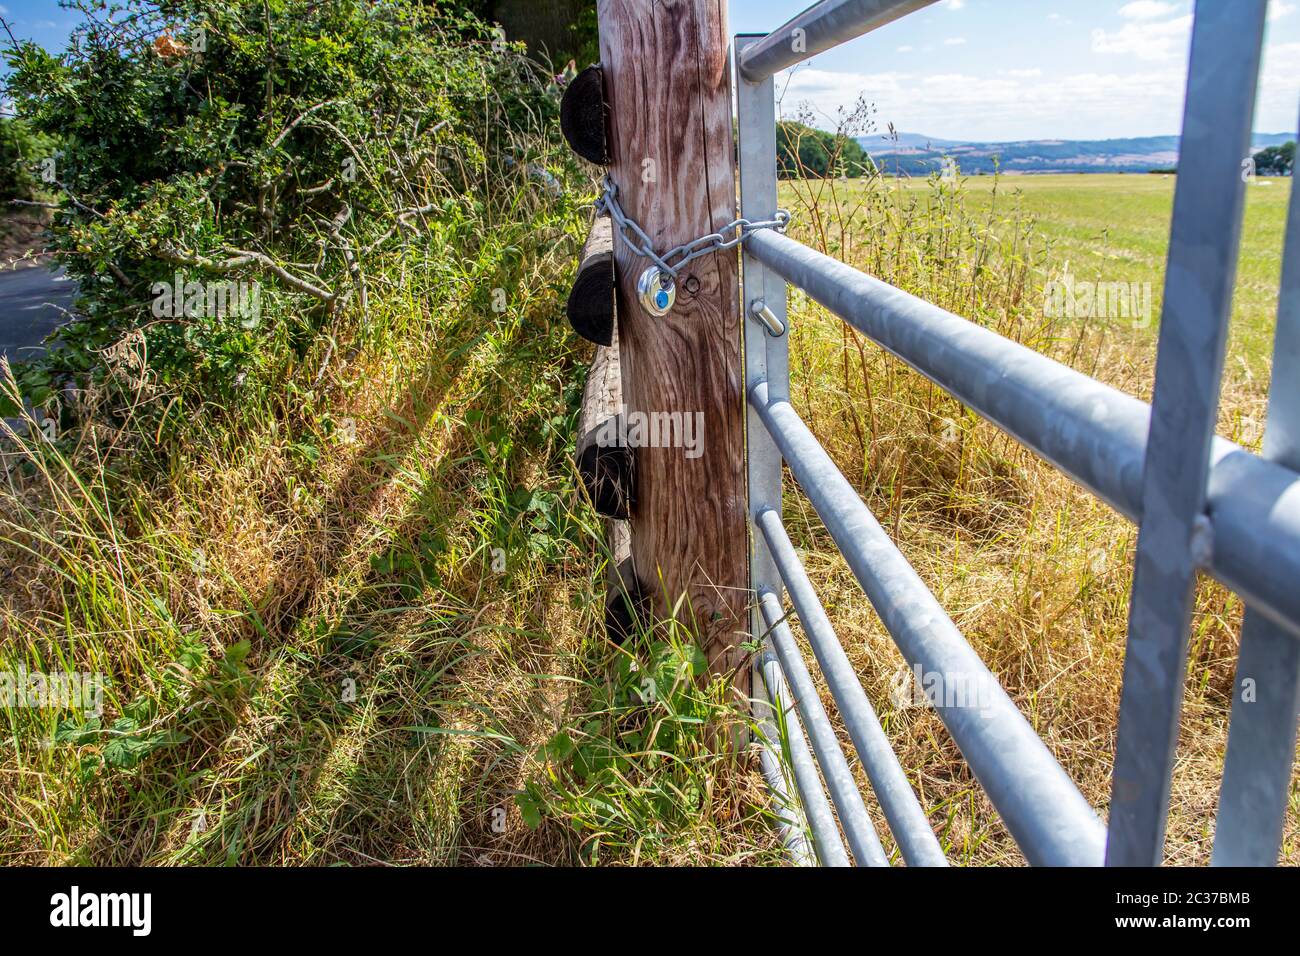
x=1115, y=228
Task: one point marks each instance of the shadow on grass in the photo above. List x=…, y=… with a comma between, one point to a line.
x=359, y=738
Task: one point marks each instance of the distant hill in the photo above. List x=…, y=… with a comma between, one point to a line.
x=916, y=155
x=906, y=140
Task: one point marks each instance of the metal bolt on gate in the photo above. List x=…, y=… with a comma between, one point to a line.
x=1201, y=503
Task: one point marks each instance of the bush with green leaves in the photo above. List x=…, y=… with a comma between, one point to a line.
x=23, y=154
x=1276, y=160
x=644, y=773
x=294, y=147
x=804, y=152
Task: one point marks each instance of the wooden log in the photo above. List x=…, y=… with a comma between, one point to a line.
x=605, y=461
x=626, y=604
x=667, y=86
x=591, y=300
x=583, y=115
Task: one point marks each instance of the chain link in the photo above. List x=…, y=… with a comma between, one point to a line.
x=672, y=261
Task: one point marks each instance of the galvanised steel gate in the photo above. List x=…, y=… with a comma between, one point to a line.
x=1201, y=503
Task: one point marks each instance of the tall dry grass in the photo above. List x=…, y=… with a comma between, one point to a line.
x=351, y=620
x=1032, y=569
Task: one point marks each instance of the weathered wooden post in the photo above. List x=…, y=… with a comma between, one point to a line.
x=606, y=463
x=607, y=467
x=671, y=157
x=591, y=300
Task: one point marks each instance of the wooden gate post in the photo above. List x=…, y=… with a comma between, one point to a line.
x=667, y=86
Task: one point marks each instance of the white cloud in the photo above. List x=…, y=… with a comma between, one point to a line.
x=1146, y=10
x=1279, y=89
x=955, y=4
x=1147, y=40
x=1136, y=86
x=961, y=106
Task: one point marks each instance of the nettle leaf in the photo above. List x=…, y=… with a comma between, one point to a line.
x=88, y=766
x=559, y=748
x=699, y=662
x=124, y=752
x=529, y=802
x=234, y=666
x=139, y=712
x=192, y=655
x=237, y=653
x=310, y=453
x=77, y=733
x=541, y=544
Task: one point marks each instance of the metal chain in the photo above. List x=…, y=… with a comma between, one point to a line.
x=641, y=244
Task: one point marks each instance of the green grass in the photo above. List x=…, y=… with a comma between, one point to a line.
x=1115, y=228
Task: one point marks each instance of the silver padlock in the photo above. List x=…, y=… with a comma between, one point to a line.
x=656, y=291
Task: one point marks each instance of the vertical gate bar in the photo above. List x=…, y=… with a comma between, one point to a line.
x=1254, y=794
x=766, y=356
x=1174, y=538
x=756, y=148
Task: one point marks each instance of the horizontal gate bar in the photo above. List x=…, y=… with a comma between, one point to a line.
x=855, y=820
x=1094, y=433
x=1048, y=817
x=819, y=28
x=907, y=819
x=816, y=808
x=791, y=822
x=788, y=811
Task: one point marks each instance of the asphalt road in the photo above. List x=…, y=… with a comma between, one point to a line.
x=30, y=308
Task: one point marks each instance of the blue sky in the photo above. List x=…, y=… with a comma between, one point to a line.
x=1028, y=69
x=41, y=20
x=983, y=69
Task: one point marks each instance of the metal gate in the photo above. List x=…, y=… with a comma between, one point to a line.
x=1201, y=503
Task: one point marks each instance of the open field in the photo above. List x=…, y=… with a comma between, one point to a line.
x=1115, y=228
x=1032, y=569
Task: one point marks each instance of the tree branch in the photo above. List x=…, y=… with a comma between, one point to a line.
x=244, y=257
